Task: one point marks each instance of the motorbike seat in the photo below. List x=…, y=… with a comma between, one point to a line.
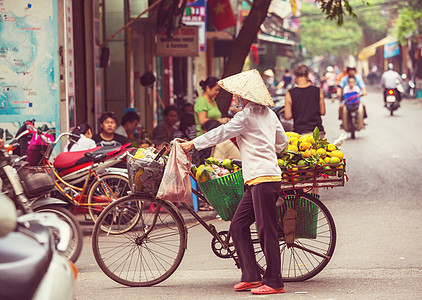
x=23, y=263
x=70, y=159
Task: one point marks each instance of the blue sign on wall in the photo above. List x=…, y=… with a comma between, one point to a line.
x=391, y=49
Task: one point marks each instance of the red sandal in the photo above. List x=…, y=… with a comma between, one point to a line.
x=243, y=286
x=265, y=290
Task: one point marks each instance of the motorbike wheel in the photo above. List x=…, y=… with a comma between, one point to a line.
x=75, y=245
x=391, y=110
x=352, y=127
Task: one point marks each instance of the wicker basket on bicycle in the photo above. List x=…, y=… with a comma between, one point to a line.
x=224, y=193
x=144, y=170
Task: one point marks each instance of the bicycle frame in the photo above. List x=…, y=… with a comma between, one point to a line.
x=66, y=184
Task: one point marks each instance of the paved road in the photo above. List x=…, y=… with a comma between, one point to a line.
x=378, y=215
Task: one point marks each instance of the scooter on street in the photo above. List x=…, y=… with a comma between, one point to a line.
x=352, y=113
x=31, y=266
x=391, y=99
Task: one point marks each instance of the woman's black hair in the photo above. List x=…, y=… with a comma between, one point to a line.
x=210, y=124
x=210, y=81
x=78, y=130
x=186, y=120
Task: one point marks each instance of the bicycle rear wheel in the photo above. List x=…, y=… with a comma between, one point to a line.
x=104, y=191
x=144, y=253
x=314, y=244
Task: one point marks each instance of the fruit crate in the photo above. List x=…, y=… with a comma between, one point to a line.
x=328, y=175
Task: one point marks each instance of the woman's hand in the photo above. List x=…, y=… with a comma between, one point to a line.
x=187, y=146
x=223, y=120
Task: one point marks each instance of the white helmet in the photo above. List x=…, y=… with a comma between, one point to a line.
x=330, y=69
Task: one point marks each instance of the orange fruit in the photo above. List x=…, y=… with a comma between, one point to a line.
x=321, y=152
x=293, y=148
x=337, y=153
x=331, y=147
x=305, y=145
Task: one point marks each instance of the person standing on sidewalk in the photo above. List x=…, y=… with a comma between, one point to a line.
x=260, y=136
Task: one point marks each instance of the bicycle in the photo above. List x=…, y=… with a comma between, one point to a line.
x=100, y=186
x=149, y=247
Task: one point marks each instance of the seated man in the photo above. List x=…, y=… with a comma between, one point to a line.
x=129, y=123
x=165, y=131
x=107, y=137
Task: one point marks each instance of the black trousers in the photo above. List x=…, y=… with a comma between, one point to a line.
x=258, y=205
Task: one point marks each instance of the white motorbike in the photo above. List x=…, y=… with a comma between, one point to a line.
x=31, y=266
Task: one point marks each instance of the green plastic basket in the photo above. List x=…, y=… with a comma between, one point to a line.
x=307, y=217
x=224, y=193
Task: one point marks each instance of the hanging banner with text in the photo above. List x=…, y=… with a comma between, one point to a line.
x=196, y=15
x=184, y=43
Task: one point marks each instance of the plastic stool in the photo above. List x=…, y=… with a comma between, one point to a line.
x=194, y=197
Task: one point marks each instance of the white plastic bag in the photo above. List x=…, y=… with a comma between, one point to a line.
x=176, y=185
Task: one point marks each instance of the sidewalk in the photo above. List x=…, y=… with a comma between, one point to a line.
x=87, y=225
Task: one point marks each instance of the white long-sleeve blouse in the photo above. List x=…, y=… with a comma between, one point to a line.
x=260, y=137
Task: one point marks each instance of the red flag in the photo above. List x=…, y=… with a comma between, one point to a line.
x=221, y=14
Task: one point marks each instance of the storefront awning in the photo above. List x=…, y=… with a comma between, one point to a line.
x=275, y=39
x=371, y=49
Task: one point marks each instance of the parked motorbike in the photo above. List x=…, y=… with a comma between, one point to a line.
x=409, y=87
x=352, y=114
x=21, y=186
x=391, y=100
x=30, y=264
x=278, y=108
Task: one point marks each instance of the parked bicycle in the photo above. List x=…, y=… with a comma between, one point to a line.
x=85, y=179
x=135, y=247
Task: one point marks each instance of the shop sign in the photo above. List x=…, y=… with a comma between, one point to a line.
x=195, y=15
x=184, y=43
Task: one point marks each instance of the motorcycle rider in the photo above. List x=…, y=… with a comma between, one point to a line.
x=390, y=79
x=351, y=72
x=330, y=79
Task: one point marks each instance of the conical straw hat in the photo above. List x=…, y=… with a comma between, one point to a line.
x=248, y=85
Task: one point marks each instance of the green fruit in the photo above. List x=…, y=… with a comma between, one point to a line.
x=227, y=163
x=203, y=173
x=302, y=162
x=327, y=168
x=280, y=162
x=334, y=160
x=211, y=161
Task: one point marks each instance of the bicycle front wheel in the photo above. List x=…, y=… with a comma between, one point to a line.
x=146, y=254
x=314, y=244
x=104, y=191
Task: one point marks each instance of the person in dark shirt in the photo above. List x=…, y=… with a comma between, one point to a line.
x=165, y=131
x=304, y=103
x=107, y=137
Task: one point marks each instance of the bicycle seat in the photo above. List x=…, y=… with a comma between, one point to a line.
x=95, y=157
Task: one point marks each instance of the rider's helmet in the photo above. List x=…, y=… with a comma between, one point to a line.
x=330, y=69
x=390, y=66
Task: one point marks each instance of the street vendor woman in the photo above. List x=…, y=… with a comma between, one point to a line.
x=260, y=136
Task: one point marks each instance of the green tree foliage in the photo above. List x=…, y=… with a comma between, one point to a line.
x=364, y=26
x=332, y=9
x=409, y=21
